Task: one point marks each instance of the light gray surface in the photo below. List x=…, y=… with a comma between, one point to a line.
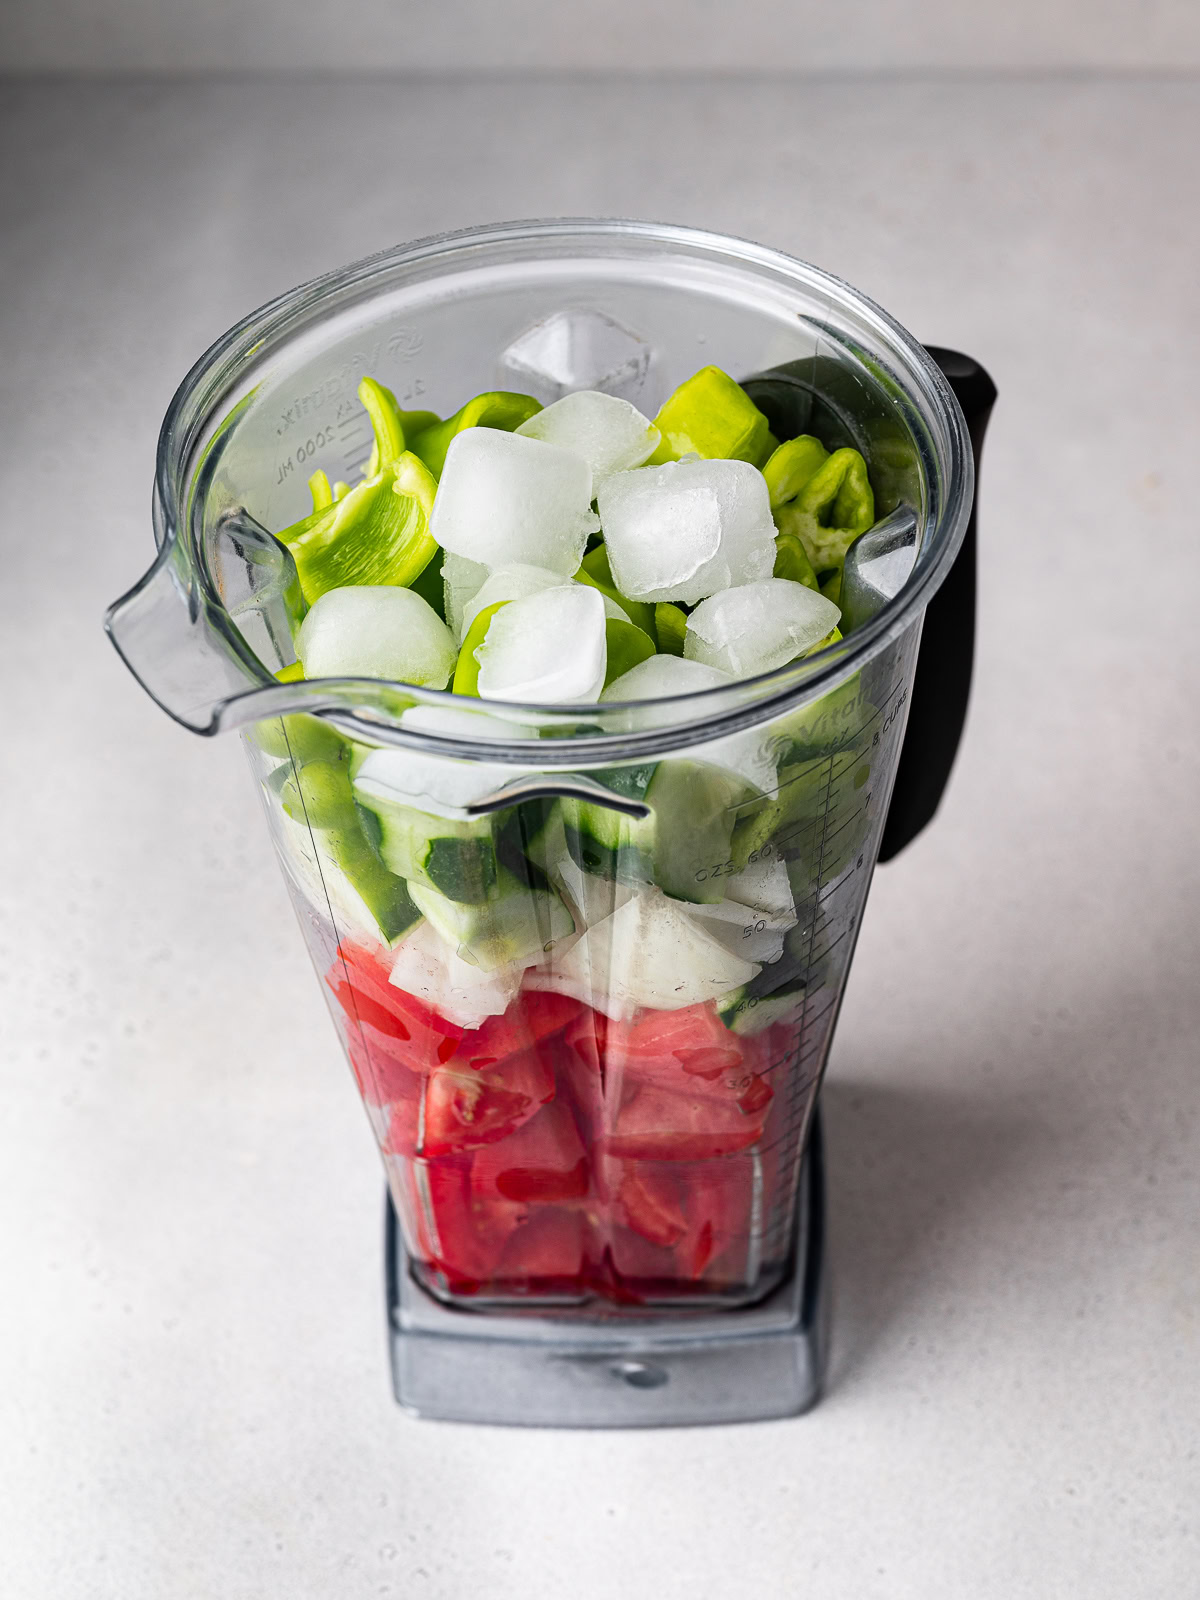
x=596, y=35
x=195, y=1399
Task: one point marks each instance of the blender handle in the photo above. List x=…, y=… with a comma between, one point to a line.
x=942, y=682
x=183, y=645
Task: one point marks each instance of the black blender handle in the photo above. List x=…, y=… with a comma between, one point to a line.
x=942, y=682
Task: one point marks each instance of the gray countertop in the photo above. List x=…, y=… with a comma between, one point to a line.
x=196, y=1401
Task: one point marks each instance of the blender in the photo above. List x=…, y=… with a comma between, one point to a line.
x=601, y=1211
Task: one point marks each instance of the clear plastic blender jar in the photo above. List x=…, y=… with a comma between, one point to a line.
x=585, y=963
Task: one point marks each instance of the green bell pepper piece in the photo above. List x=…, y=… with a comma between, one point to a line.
x=670, y=626
x=627, y=644
x=318, y=487
x=712, y=416
x=376, y=534
x=791, y=466
x=386, y=425
x=499, y=408
x=597, y=574
x=791, y=561
x=831, y=510
x=466, y=673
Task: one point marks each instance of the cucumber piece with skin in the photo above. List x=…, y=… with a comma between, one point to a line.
x=513, y=924
x=745, y=1012
x=458, y=859
x=334, y=858
x=683, y=846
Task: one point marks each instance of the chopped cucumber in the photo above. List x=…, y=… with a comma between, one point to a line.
x=745, y=1012
x=837, y=721
x=339, y=871
x=683, y=845
x=458, y=859
x=299, y=738
x=513, y=924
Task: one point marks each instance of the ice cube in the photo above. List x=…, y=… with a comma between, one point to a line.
x=548, y=649
x=749, y=755
x=503, y=498
x=659, y=677
x=610, y=434
x=460, y=580
x=684, y=530
x=515, y=582
x=757, y=627
x=578, y=349
x=376, y=631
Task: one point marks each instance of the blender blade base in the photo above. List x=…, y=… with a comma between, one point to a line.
x=668, y=1370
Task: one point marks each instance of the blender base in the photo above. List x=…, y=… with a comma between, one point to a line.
x=536, y=1370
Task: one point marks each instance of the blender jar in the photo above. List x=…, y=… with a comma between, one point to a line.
x=585, y=963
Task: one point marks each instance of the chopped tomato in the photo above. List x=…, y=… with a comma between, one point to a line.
x=465, y=1107
x=463, y=1238
x=648, y=1198
x=381, y=1078
x=417, y=1035
x=662, y=1126
x=694, y=1036
x=532, y=1017
x=544, y=1160
x=550, y=1245
x=586, y=1035
x=710, y=1239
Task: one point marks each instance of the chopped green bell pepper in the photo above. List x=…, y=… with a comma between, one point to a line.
x=318, y=487
x=791, y=561
x=466, y=673
x=831, y=510
x=712, y=416
x=670, y=626
x=386, y=425
x=499, y=408
x=597, y=574
x=792, y=465
x=376, y=534
x=627, y=644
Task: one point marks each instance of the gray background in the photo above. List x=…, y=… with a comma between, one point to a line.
x=195, y=1401
x=591, y=36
